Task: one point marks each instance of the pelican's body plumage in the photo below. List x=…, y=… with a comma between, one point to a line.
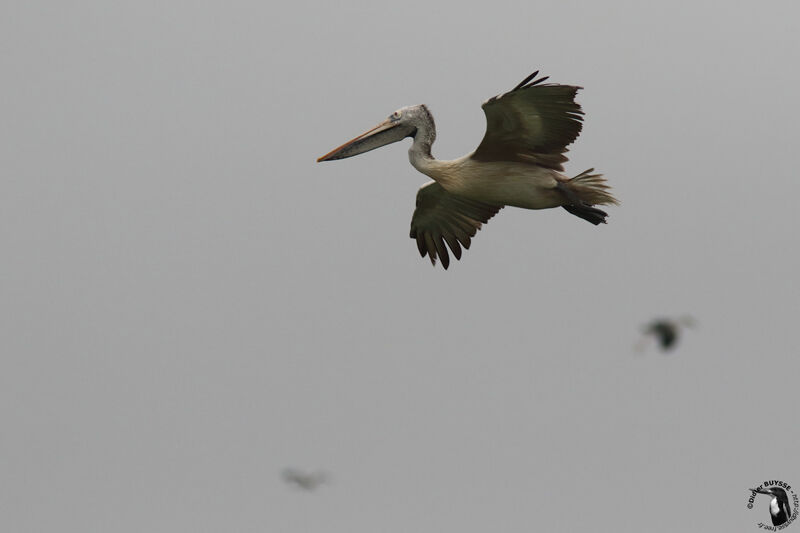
x=497, y=182
x=518, y=163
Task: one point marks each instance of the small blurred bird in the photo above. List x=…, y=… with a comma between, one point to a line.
x=665, y=331
x=304, y=480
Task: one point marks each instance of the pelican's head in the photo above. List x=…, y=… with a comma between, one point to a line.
x=397, y=126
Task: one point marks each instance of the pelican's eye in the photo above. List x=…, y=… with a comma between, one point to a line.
x=395, y=115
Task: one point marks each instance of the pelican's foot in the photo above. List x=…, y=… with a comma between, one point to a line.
x=587, y=212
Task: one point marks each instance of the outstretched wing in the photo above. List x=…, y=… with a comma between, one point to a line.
x=532, y=123
x=442, y=217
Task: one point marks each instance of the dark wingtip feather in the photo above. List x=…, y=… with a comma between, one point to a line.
x=421, y=246
x=441, y=251
x=431, y=247
x=537, y=82
x=526, y=80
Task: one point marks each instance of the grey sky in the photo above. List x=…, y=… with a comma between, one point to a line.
x=191, y=304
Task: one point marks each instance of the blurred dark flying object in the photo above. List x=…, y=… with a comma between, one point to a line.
x=304, y=480
x=665, y=331
x=518, y=163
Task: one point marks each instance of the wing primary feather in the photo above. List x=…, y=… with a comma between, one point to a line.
x=421, y=245
x=452, y=242
x=526, y=80
x=444, y=257
x=431, y=248
x=537, y=82
x=462, y=233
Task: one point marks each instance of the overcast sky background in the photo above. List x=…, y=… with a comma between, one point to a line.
x=190, y=303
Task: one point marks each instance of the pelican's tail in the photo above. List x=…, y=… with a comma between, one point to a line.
x=592, y=189
x=585, y=190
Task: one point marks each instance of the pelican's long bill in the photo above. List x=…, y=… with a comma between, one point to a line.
x=384, y=133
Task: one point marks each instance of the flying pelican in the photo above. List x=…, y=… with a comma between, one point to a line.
x=666, y=331
x=779, y=508
x=518, y=163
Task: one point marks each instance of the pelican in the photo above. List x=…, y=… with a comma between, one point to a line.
x=518, y=163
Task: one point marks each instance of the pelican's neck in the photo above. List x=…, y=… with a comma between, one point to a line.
x=420, y=151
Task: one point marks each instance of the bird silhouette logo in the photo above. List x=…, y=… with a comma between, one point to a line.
x=783, y=504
